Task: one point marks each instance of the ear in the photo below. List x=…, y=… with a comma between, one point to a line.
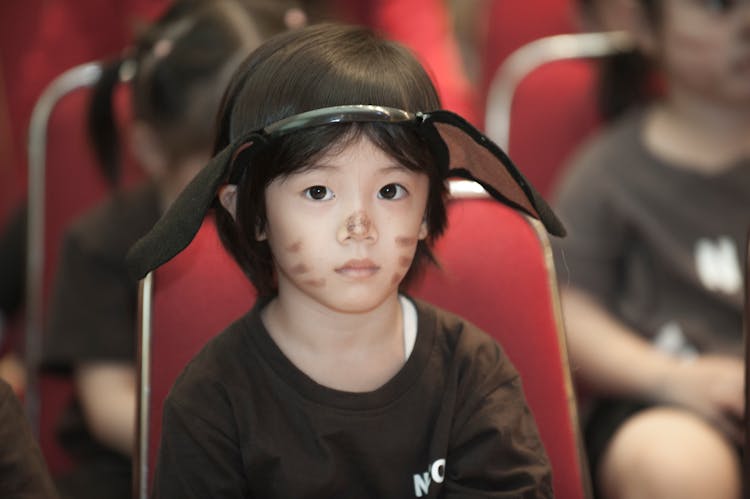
x=228, y=199
x=147, y=149
x=260, y=235
x=423, y=230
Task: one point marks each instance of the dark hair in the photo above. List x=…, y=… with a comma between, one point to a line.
x=315, y=67
x=181, y=64
x=626, y=80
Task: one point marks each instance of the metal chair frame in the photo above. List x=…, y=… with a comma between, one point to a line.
x=529, y=57
x=82, y=76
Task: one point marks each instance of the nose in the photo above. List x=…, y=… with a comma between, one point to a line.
x=357, y=227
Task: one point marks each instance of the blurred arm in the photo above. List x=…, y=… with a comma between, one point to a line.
x=608, y=356
x=107, y=394
x=613, y=360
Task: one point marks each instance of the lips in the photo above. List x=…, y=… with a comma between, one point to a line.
x=358, y=268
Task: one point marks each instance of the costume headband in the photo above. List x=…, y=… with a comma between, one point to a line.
x=460, y=149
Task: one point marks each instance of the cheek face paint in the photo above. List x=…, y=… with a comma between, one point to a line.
x=315, y=283
x=294, y=247
x=300, y=268
x=404, y=241
x=404, y=260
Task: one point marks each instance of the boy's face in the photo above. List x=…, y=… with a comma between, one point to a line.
x=705, y=48
x=344, y=233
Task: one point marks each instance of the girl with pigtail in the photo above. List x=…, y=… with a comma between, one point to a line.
x=176, y=73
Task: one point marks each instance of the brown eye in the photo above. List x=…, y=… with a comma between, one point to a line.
x=319, y=193
x=392, y=191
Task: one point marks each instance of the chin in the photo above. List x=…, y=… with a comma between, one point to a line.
x=353, y=302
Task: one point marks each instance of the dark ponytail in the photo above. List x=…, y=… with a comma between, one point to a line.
x=625, y=83
x=629, y=80
x=102, y=127
x=180, y=66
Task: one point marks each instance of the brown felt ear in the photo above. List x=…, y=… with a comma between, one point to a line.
x=466, y=153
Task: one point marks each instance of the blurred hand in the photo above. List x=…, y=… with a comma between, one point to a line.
x=713, y=387
x=13, y=371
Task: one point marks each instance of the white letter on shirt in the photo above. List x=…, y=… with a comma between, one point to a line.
x=717, y=265
x=438, y=471
x=421, y=483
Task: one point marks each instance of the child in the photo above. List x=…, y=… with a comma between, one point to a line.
x=182, y=65
x=329, y=182
x=657, y=212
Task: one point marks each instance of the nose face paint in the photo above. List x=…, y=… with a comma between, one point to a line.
x=358, y=224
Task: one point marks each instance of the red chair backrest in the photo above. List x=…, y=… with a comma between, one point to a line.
x=544, y=100
x=196, y=295
x=507, y=25
x=495, y=272
x=554, y=110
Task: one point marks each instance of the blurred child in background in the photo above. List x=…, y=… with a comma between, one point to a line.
x=656, y=209
x=179, y=67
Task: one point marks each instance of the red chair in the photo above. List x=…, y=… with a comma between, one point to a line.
x=64, y=181
x=504, y=27
x=496, y=264
x=542, y=102
x=210, y=291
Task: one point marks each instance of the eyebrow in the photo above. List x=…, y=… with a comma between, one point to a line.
x=389, y=167
x=396, y=166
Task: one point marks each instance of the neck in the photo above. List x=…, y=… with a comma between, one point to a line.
x=699, y=134
x=346, y=351
x=323, y=329
x=177, y=177
x=707, y=113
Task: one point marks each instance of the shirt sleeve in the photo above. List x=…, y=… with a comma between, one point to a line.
x=23, y=473
x=93, y=308
x=199, y=455
x=590, y=256
x=495, y=449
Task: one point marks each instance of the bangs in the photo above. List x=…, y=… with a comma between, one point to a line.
x=346, y=68
x=298, y=152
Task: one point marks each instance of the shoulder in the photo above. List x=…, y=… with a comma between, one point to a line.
x=465, y=347
x=616, y=149
x=221, y=363
x=110, y=228
x=620, y=138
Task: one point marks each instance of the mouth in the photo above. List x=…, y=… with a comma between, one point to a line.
x=358, y=268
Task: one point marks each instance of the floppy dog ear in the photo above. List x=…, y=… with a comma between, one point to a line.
x=467, y=153
x=179, y=224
